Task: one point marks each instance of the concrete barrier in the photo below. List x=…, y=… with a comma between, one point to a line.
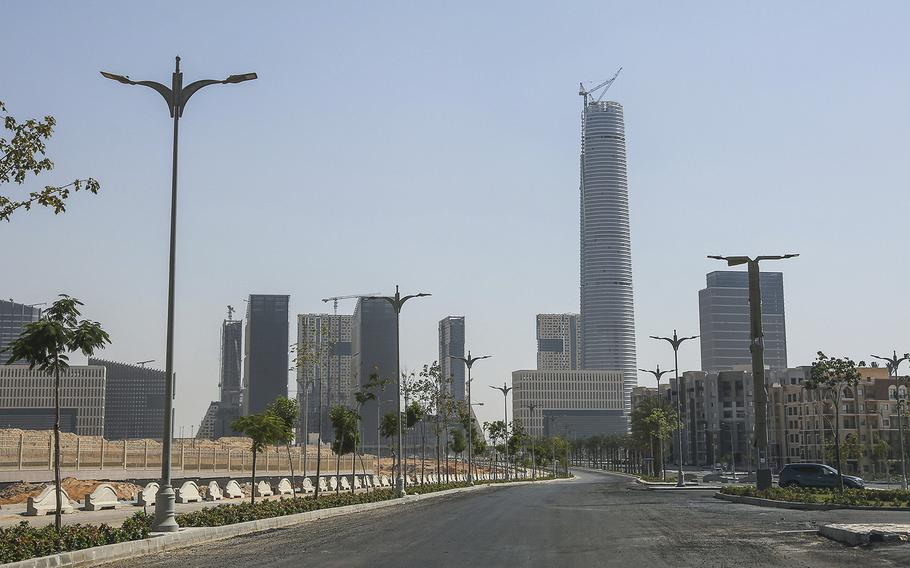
x=357, y=483
x=345, y=484
x=376, y=481
x=284, y=487
x=214, y=493
x=232, y=490
x=263, y=489
x=384, y=480
x=188, y=493
x=323, y=485
x=333, y=483
x=103, y=497
x=307, y=485
x=147, y=494
x=46, y=502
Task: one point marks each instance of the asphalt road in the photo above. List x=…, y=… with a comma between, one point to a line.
x=595, y=520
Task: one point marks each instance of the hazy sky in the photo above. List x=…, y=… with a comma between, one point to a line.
x=436, y=145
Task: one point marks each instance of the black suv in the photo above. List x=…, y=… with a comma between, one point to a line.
x=815, y=475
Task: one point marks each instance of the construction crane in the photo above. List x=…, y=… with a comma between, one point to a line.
x=230, y=313
x=336, y=298
x=586, y=93
x=144, y=363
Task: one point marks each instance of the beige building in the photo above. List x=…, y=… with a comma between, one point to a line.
x=558, y=342
x=27, y=399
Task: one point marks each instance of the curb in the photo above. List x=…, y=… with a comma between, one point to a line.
x=801, y=506
x=654, y=486
x=162, y=542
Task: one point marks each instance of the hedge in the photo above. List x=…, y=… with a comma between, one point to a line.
x=865, y=497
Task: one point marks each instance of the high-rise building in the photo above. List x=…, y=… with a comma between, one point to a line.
x=607, y=311
x=133, y=402
x=451, y=344
x=558, y=342
x=374, y=350
x=723, y=308
x=325, y=340
x=265, y=362
x=13, y=318
x=27, y=399
x=230, y=382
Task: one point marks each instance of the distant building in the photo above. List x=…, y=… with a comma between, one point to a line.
x=558, y=342
x=265, y=365
x=27, y=399
x=374, y=350
x=13, y=319
x=451, y=344
x=209, y=422
x=134, y=401
x=570, y=404
x=723, y=308
x=326, y=339
x=230, y=383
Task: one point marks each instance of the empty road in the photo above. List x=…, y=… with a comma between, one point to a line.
x=595, y=520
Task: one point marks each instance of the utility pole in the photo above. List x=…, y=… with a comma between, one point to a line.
x=469, y=361
x=505, y=407
x=675, y=342
x=893, y=364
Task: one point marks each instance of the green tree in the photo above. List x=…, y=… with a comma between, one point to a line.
x=23, y=152
x=347, y=436
x=362, y=397
x=46, y=344
x=662, y=422
x=830, y=377
x=880, y=452
x=459, y=442
x=263, y=429
x=288, y=411
x=645, y=427
x=377, y=385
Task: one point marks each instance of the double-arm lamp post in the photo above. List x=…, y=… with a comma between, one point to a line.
x=675, y=342
x=469, y=362
x=176, y=97
x=397, y=302
x=531, y=408
x=893, y=363
x=657, y=375
x=504, y=389
x=757, y=348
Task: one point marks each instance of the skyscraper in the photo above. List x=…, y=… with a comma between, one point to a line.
x=265, y=364
x=374, y=350
x=451, y=344
x=133, y=401
x=723, y=310
x=607, y=312
x=13, y=318
x=558, y=342
x=326, y=341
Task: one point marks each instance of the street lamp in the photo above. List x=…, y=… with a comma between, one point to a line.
x=505, y=407
x=675, y=342
x=657, y=375
x=469, y=361
x=397, y=301
x=893, y=363
x=176, y=98
x=757, y=347
x=531, y=408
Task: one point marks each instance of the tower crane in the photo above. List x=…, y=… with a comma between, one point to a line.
x=336, y=298
x=586, y=93
x=230, y=313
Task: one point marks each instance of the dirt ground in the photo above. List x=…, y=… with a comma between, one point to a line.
x=77, y=489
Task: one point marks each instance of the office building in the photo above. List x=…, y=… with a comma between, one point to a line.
x=451, y=344
x=607, y=311
x=27, y=399
x=265, y=362
x=13, y=319
x=570, y=404
x=133, y=402
x=325, y=341
x=374, y=349
x=723, y=308
x=230, y=382
x=558, y=342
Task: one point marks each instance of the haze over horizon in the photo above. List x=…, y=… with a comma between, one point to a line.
x=453, y=136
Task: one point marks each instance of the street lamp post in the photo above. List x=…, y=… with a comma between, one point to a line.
x=657, y=375
x=505, y=408
x=675, y=342
x=469, y=362
x=531, y=408
x=176, y=98
x=757, y=347
x=397, y=301
x=893, y=363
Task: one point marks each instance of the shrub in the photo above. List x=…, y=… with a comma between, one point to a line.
x=864, y=497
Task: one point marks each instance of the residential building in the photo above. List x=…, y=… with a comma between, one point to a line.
x=134, y=401
x=451, y=344
x=374, y=351
x=558, y=342
x=265, y=362
x=723, y=308
x=571, y=404
x=325, y=341
x=607, y=310
x=27, y=399
x=13, y=319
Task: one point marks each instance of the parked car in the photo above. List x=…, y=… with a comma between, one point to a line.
x=815, y=475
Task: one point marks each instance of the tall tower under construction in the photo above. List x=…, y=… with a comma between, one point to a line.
x=607, y=312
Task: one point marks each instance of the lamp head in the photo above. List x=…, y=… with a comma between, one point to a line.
x=240, y=78
x=119, y=78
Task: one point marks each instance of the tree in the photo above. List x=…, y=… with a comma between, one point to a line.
x=288, y=411
x=458, y=444
x=413, y=414
x=830, y=377
x=880, y=451
x=377, y=385
x=496, y=430
x=264, y=430
x=23, y=153
x=662, y=422
x=347, y=436
x=46, y=344
x=361, y=397
x=645, y=427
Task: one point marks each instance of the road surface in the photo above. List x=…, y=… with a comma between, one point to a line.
x=595, y=520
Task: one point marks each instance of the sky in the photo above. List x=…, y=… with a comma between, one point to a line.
x=435, y=145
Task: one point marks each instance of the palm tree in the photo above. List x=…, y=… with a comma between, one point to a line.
x=264, y=429
x=46, y=344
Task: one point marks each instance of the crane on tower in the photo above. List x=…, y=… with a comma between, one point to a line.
x=588, y=94
x=348, y=297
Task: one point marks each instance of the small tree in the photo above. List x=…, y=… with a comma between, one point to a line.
x=46, y=344
x=263, y=429
x=459, y=444
x=347, y=436
x=377, y=385
x=362, y=397
x=880, y=451
x=288, y=411
x=830, y=376
x=662, y=423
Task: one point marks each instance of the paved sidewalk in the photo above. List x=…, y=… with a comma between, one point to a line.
x=866, y=533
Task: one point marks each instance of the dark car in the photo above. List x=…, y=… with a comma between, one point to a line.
x=815, y=475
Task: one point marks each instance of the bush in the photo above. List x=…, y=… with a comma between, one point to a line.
x=864, y=497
